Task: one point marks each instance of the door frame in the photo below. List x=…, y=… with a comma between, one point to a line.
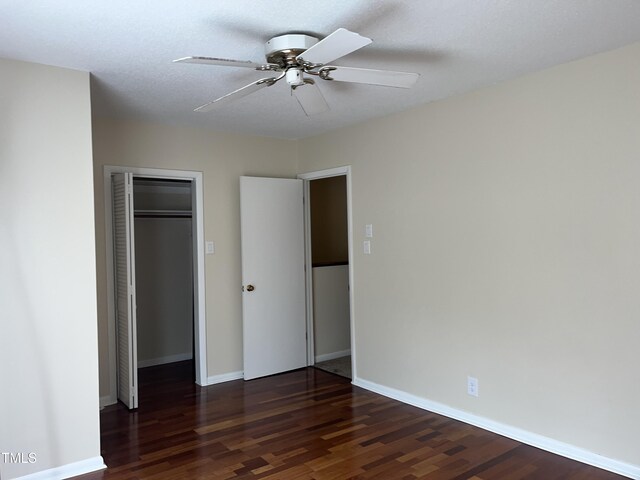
x=198, y=249
x=308, y=177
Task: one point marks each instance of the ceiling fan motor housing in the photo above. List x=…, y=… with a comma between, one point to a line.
x=284, y=49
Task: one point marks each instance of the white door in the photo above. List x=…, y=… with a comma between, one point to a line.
x=125, y=279
x=273, y=298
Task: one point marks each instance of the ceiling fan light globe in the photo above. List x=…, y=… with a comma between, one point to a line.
x=294, y=77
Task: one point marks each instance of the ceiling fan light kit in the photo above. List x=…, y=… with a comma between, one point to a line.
x=294, y=77
x=295, y=55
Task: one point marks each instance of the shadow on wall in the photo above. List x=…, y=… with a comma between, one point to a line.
x=26, y=366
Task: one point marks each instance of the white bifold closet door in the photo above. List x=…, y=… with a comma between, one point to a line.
x=125, y=278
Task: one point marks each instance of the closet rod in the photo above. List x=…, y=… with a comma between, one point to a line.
x=161, y=214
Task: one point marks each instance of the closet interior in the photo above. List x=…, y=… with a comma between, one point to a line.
x=164, y=271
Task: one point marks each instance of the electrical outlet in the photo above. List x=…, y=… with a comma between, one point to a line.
x=472, y=386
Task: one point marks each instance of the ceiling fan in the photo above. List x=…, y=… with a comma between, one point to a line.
x=296, y=58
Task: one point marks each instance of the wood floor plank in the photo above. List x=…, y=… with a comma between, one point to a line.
x=306, y=424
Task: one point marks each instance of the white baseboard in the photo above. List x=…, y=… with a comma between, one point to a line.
x=152, y=362
x=330, y=356
x=107, y=400
x=67, y=471
x=224, y=377
x=533, y=439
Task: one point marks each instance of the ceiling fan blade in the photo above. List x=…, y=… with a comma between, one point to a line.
x=225, y=62
x=237, y=94
x=386, y=78
x=310, y=98
x=338, y=44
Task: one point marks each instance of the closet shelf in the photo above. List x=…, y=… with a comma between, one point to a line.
x=163, y=213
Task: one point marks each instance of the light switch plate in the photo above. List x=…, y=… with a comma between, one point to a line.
x=472, y=386
x=210, y=248
x=368, y=230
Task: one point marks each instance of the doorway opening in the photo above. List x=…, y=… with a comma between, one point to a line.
x=164, y=272
x=163, y=269
x=329, y=277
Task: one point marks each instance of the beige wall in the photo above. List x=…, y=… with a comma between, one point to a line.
x=222, y=158
x=507, y=247
x=164, y=293
x=48, y=399
x=331, y=323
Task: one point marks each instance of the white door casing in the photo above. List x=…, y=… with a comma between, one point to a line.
x=200, y=315
x=308, y=177
x=125, y=291
x=273, y=298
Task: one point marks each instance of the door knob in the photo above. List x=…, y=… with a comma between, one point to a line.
x=250, y=288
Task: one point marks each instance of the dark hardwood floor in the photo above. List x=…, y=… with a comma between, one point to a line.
x=306, y=424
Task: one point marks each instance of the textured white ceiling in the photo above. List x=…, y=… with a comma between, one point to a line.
x=456, y=46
